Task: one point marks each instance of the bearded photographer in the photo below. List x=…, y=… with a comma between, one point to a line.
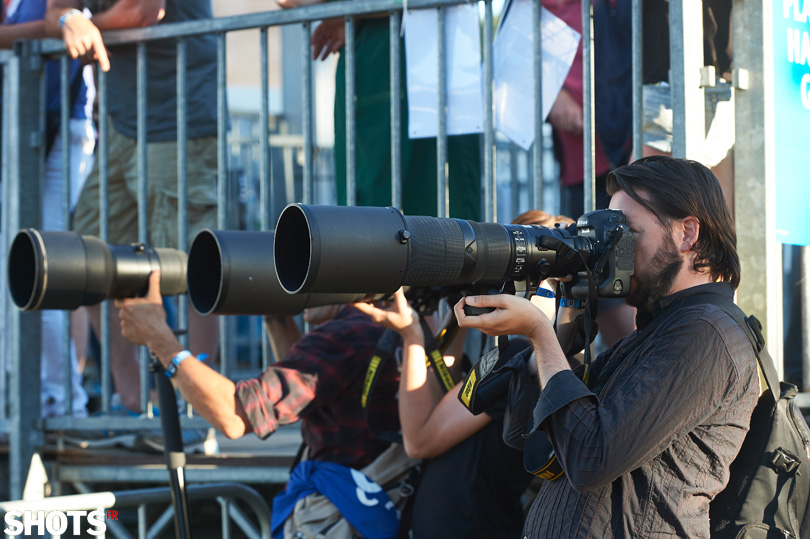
x=647, y=442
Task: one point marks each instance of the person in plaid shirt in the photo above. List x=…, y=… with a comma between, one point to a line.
x=319, y=381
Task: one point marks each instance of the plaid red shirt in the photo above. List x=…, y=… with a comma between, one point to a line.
x=320, y=382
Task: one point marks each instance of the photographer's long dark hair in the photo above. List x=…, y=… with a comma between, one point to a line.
x=679, y=188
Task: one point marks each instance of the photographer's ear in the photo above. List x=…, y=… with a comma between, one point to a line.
x=689, y=230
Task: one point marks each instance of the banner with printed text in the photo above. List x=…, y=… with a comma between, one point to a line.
x=791, y=35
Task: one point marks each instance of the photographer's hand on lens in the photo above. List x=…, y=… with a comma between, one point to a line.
x=512, y=315
x=143, y=321
x=552, y=282
x=396, y=315
x=517, y=316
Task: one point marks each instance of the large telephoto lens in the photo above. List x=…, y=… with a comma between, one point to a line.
x=64, y=270
x=376, y=250
x=232, y=272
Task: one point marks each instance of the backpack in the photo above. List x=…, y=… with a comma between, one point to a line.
x=768, y=493
x=316, y=516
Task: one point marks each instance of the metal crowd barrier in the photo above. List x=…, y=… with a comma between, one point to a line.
x=223, y=493
x=25, y=153
x=23, y=156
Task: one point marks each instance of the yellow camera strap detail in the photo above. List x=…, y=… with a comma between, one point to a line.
x=467, y=390
x=551, y=471
x=371, y=376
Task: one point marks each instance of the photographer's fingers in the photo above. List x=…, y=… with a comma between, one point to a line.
x=512, y=315
x=153, y=294
x=376, y=314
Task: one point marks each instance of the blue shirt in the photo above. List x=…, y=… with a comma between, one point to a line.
x=34, y=10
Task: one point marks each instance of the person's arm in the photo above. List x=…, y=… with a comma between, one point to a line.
x=82, y=36
x=122, y=14
x=9, y=33
x=428, y=428
x=566, y=113
x=684, y=376
x=143, y=321
x=130, y=14
x=282, y=333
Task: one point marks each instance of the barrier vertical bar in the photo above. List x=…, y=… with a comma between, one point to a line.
x=307, y=115
x=143, y=192
x=490, y=188
x=589, y=130
x=182, y=176
x=514, y=180
x=537, y=150
x=222, y=182
x=64, y=131
x=396, y=109
x=104, y=234
x=265, y=186
x=351, y=166
x=26, y=156
x=5, y=228
x=760, y=290
x=638, y=78
x=224, y=506
x=143, y=522
x=686, y=57
x=441, y=136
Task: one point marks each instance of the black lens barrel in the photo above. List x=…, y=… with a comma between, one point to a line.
x=64, y=270
x=232, y=272
x=344, y=249
x=356, y=251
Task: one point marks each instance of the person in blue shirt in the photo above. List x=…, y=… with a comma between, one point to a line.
x=24, y=19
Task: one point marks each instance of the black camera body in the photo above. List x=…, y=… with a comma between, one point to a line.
x=607, y=233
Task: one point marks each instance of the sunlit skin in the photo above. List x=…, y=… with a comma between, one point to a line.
x=432, y=421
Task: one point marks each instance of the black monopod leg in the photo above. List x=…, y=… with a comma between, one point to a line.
x=172, y=448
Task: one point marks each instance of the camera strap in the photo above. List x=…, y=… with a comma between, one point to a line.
x=539, y=458
x=385, y=351
x=488, y=380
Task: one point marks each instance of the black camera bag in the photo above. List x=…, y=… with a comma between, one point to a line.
x=768, y=493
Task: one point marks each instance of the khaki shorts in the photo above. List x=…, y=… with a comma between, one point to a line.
x=161, y=201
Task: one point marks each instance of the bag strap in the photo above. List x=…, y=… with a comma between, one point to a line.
x=752, y=328
x=749, y=324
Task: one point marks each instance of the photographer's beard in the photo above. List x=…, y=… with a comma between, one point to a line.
x=656, y=281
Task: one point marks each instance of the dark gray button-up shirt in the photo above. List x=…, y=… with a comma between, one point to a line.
x=645, y=457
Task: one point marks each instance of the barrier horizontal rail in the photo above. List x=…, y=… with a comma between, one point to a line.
x=254, y=20
x=139, y=497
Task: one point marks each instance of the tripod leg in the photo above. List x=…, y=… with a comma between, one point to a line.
x=173, y=451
